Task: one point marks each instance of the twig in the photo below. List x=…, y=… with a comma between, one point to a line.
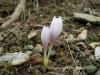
x=16, y=14
x=73, y=58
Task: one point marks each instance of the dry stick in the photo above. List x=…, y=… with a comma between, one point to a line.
x=16, y=14
x=73, y=58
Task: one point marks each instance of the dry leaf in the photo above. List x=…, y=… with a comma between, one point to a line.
x=94, y=44
x=82, y=35
x=36, y=59
x=32, y=34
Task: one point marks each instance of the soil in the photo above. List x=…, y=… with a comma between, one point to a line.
x=39, y=14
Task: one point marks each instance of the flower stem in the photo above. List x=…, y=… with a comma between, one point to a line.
x=50, y=50
x=45, y=62
x=46, y=56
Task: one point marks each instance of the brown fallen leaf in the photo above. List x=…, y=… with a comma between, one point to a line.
x=36, y=59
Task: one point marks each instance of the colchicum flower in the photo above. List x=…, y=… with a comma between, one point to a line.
x=49, y=36
x=45, y=35
x=55, y=28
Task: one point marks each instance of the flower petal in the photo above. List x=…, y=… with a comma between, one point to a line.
x=45, y=36
x=55, y=28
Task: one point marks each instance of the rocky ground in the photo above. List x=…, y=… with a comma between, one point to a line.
x=69, y=56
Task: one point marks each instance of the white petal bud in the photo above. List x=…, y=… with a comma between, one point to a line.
x=55, y=28
x=45, y=36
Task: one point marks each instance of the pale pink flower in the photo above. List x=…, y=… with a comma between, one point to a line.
x=55, y=28
x=49, y=35
x=45, y=35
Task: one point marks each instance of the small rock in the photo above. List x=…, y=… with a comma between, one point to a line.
x=32, y=34
x=16, y=58
x=97, y=52
x=36, y=59
x=38, y=48
x=21, y=58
